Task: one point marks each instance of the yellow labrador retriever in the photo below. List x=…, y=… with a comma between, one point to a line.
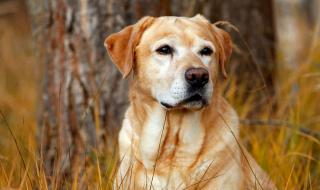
x=179, y=132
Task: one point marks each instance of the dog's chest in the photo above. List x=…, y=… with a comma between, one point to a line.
x=171, y=139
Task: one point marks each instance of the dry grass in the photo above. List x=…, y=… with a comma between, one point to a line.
x=286, y=143
x=17, y=96
x=277, y=140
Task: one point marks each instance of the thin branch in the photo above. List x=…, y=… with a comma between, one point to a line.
x=281, y=123
x=205, y=180
x=201, y=179
x=241, y=150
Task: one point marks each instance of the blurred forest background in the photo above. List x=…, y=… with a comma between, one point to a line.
x=62, y=101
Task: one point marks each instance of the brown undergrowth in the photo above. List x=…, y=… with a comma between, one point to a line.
x=284, y=139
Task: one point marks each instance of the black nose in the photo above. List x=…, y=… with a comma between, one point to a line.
x=197, y=77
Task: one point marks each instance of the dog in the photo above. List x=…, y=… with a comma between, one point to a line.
x=179, y=132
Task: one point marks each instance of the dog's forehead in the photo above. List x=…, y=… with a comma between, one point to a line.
x=182, y=27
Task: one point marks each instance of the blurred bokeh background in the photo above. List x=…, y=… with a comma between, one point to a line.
x=62, y=101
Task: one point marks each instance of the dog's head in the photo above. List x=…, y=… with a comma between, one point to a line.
x=176, y=60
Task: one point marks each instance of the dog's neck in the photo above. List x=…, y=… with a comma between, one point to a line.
x=159, y=130
x=144, y=105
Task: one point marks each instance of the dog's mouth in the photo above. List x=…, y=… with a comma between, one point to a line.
x=166, y=105
x=195, y=100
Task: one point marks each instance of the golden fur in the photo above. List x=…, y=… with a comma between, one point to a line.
x=182, y=147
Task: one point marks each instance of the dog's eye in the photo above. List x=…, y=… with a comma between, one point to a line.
x=165, y=50
x=206, y=51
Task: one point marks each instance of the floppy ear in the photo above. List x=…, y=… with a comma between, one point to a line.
x=121, y=45
x=224, y=48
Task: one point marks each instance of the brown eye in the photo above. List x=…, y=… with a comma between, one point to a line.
x=206, y=51
x=165, y=50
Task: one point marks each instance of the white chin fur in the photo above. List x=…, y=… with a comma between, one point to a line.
x=178, y=92
x=169, y=101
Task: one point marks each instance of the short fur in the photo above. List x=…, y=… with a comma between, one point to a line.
x=193, y=146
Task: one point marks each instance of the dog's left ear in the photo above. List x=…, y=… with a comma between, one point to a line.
x=121, y=45
x=224, y=47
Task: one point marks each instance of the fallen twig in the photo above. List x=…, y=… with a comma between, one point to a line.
x=280, y=123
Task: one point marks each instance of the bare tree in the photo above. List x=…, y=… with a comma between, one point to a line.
x=255, y=57
x=83, y=96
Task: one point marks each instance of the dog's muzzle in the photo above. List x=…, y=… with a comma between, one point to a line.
x=196, y=95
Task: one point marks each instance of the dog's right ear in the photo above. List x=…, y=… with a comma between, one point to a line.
x=121, y=45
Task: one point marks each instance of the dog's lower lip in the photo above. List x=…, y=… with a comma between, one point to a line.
x=196, y=97
x=193, y=98
x=166, y=105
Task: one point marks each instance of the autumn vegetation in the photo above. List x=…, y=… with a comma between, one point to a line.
x=283, y=136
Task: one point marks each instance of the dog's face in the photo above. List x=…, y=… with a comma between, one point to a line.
x=175, y=59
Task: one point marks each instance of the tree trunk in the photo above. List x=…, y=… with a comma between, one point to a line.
x=83, y=94
x=253, y=62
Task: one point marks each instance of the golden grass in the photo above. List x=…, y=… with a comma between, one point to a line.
x=290, y=156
